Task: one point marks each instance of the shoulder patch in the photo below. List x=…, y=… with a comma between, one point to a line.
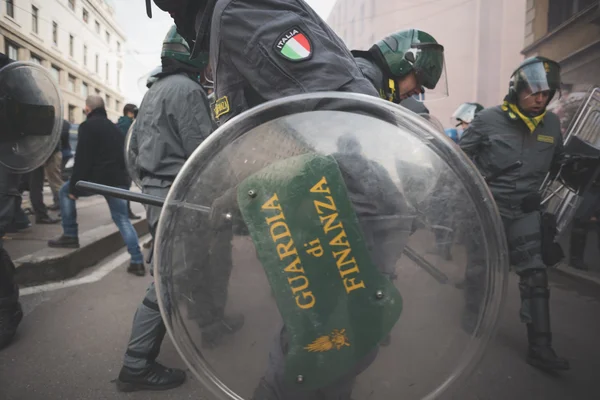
x=545, y=139
x=221, y=106
x=294, y=45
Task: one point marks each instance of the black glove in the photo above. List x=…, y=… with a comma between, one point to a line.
x=531, y=202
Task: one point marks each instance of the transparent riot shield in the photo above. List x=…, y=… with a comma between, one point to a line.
x=579, y=113
x=131, y=152
x=437, y=124
x=31, y=116
x=292, y=255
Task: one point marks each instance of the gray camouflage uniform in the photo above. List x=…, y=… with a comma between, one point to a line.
x=173, y=119
x=495, y=140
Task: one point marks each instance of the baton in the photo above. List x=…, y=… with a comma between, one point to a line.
x=503, y=171
x=159, y=201
x=135, y=197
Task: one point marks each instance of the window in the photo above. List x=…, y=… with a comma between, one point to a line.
x=55, y=71
x=107, y=105
x=560, y=11
x=97, y=63
x=71, y=45
x=107, y=37
x=55, y=33
x=97, y=27
x=117, y=105
x=107, y=71
x=118, y=77
x=118, y=47
x=71, y=114
x=86, y=16
x=85, y=90
x=72, y=4
x=34, y=19
x=12, y=51
x=97, y=92
x=10, y=8
x=85, y=55
x=36, y=60
x=71, y=83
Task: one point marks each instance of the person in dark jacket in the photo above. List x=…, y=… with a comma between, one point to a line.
x=124, y=123
x=129, y=114
x=99, y=158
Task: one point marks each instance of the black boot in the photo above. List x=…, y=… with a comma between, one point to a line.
x=213, y=334
x=534, y=286
x=131, y=214
x=153, y=377
x=68, y=242
x=541, y=354
x=11, y=315
x=577, y=251
x=136, y=269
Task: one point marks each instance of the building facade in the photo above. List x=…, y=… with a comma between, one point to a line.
x=482, y=39
x=567, y=31
x=79, y=41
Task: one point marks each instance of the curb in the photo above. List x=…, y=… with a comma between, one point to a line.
x=51, y=264
x=565, y=270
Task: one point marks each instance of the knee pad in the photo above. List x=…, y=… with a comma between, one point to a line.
x=538, y=278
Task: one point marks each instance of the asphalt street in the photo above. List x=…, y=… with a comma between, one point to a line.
x=71, y=342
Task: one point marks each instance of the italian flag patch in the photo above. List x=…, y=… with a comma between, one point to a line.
x=294, y=45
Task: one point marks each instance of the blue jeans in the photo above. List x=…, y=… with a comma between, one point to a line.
x=118, y=212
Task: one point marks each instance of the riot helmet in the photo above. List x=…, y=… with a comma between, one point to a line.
x=537, y=75
x=415, y=51
x=466, y=112
x=153, y=76
x=176, y=48
x=183, y=13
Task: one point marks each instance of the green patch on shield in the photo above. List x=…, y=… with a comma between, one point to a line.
x=336, y=305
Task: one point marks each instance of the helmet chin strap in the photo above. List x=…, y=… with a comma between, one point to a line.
x=149, y=8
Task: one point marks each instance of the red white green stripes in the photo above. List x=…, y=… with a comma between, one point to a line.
x=297, y=48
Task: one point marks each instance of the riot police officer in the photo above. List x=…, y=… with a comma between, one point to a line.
x=465, y=113
x=31, y=122
x=162, y=148
x=522, y=130
x=390, y=64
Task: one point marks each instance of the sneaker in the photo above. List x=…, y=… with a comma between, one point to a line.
x=46, y=220
x=66, y=242
x=133, y=216
x=153, y=377
x=136, y=269
x=54, y=207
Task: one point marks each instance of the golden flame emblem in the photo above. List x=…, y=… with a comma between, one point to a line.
x=336, y=339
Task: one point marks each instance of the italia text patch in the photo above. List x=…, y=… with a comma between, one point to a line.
x=294, y=45
x=221, y=107
x=545, y=139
